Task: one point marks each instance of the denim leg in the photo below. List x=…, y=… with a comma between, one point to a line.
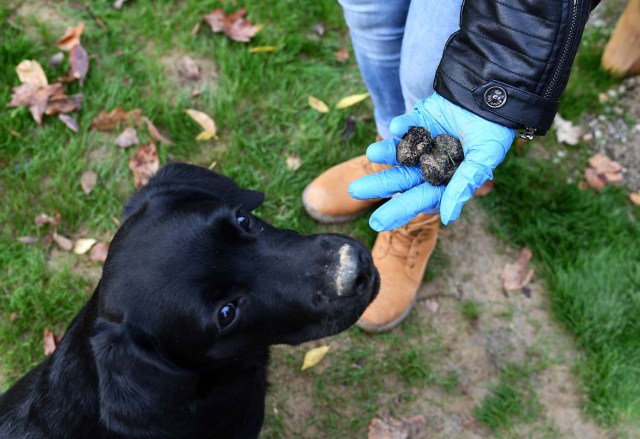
x=377, y=28
x=429, y=25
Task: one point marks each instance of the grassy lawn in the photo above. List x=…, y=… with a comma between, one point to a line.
x=586, y=245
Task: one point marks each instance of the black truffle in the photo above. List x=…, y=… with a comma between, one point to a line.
x=413, y=144
x=442, y=159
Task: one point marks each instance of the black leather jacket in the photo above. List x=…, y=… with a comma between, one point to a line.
x=510, y=60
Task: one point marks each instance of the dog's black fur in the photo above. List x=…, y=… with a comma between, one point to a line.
x=149, y=355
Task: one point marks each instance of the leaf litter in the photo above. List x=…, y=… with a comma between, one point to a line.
x=234, y=25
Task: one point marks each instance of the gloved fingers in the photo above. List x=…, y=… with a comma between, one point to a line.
x=383, y=152
x=386, y=183
x=468, y=177
x=402, y=208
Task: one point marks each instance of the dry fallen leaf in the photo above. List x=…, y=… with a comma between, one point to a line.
x=263, y=49
x=61, y=103
x=43, y=219
x=127, y=138
x=71, y=37
x=27, y=239
x=56, y=60
x=342, y=55
x=50, y=342
x=205, y=121
x=153, y=131
x=83, y=245
x=391, y=428
x=30, y=72
x=348, y=101
x=635, y=198
x=602, y=171
x=79, y=60
x=144, y=163
x=318, y=105
x=566, y=131
x=88, y=181
x=110, y=121
x=234, y=25
x=99, y=252
x=70, y=122
x=35, y=97
x=294, y=162
x=432, y=305
x=485, y=189
x=189, y=69
x=118, y=4
x=314, y=356
x=517, y=276
x=63, y=242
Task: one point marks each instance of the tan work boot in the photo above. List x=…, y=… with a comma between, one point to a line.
x=326, y=198
x=401, y=256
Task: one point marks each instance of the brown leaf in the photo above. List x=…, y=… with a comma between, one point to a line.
x=62, y=241
x=517, y=276
x=79, y=60
x=128, y=137
x=43, y=219
x=69, y=122
x=342, y=55
x=30, y=72
x=144, y=164
x=594, y=180
x=62, y=103
x=35, y=97
x=635, y=198
x=99, y=252
x=88, y=181
x=485, y=189
x=153, y=131
x=50, y=342
x=234, y=25
x=391, y=428
x=189, y=69
x=110, y=121
x=71, y=37
x=603, y=164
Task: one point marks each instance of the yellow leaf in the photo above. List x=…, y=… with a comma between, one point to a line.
x=204, y=120
x=30, y=72
x=258, y=27
x=318, y=105
x=348, y=101
x=262, y=49
x=205, y=135
x=83, y=245
x=314, y=356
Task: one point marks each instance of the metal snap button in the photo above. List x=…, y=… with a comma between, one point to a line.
x=495, y=97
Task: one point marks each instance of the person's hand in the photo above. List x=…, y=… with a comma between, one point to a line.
x=485, y=145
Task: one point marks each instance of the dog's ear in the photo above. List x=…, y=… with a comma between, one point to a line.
x=134, y=381
x=195, y=180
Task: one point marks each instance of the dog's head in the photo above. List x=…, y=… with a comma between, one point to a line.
x=193, y=272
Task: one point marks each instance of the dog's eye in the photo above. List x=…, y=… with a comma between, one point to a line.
x=226, y=315
x=243, y=220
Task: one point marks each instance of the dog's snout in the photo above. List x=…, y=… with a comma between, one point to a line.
x=353, y=272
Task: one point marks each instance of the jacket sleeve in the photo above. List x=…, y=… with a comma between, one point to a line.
x=510, y=60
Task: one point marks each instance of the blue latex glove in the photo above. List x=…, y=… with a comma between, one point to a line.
x=485, y=145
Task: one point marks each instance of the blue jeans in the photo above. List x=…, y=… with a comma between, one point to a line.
x=398, y=46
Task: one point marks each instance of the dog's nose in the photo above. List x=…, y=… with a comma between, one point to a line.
x=353, y=271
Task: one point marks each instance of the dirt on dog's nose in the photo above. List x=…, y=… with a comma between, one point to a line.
x=354, y=271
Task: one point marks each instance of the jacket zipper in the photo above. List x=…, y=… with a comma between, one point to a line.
x=566, y=50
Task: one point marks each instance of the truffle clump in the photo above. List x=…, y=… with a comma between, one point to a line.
x=439, y=157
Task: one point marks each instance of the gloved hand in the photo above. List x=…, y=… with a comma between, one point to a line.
x=485, y=145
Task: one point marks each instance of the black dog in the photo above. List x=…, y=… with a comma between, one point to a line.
x=174, y=341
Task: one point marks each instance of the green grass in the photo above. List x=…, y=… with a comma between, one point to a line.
x=470, y=310
x=510, y=401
